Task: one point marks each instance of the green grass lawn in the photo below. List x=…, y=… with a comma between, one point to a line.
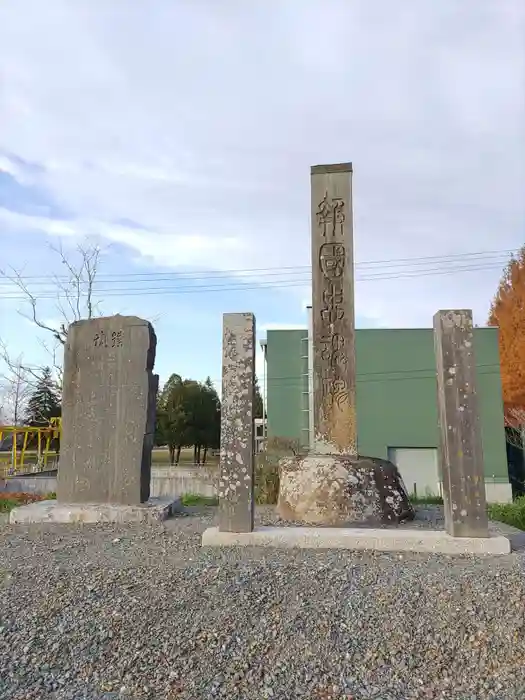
x=8, y=501
x=426, y=500
x=162, y=456
x=193, y=499
x=509, y=513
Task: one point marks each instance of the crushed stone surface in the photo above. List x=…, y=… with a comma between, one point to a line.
x=114, y=611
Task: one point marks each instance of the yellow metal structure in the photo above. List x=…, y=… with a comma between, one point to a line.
x=32, y=448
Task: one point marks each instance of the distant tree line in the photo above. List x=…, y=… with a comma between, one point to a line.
x=188, y=411
x=32, y=405
x=189, y=415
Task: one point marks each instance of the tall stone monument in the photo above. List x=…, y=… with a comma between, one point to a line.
x=461, y=450
x=108, y=408
x=236, y=498
x=333, y=485
x=335, y=429
x=108, y=426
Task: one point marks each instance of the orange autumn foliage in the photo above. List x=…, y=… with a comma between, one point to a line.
x=508, y=314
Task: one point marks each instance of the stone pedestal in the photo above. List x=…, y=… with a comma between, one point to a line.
x=108, y=410
x=341, y=491
x=236, y=497
x=47, y=512
x=359, y=539
x=461, y=452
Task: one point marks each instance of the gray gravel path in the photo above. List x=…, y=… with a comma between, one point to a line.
x=128, y=612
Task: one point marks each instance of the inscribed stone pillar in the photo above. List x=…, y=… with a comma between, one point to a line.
x=108, y=411
x=461, y=452
x=236, y=498
x=335, y=430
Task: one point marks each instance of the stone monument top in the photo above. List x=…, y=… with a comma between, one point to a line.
x=332, y=168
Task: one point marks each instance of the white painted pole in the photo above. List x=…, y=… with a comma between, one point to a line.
x=310, y=345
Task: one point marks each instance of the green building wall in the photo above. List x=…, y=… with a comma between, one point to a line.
x=287, y=384
x=396, y=391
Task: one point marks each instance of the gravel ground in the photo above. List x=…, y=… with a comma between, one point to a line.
x=126, y=612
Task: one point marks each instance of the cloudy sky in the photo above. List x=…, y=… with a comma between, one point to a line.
x=179, y=134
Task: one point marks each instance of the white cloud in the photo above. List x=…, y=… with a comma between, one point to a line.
x=7, y=165
x=161, y=248
x=199, y=121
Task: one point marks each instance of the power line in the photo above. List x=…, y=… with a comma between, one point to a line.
x=366, y=380
x=474, y=257
x=264, y=284
x=299, y=380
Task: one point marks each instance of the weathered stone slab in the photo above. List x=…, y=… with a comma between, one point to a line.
x=335, y=430
x=155, y=510
x=340, y=491
x=108, y=410
x=236, y=497
x=461, y=451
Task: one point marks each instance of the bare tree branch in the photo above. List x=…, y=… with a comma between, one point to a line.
x=17, y=279
x=74, y=291
x=55, y=353
x=78, y=291
x=16, y=367
x=16, y=387
x=75, y=300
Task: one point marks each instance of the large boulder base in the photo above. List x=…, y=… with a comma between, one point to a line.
x=342, y=491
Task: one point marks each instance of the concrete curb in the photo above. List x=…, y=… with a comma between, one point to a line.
x=420, y=540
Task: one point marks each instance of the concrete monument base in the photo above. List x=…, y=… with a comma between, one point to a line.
x=154, y=510
x=382, y=540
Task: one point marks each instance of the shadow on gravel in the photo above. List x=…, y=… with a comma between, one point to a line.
x=517, y=541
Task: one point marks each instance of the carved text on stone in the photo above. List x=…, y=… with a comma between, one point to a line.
x=333, y=349
x=332, y=260
x=335, y=388
x=331, y=216
x=113, y=339
x=332, y=310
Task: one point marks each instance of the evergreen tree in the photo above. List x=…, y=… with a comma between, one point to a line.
x=258, y=409
x=44, y=403
x=172, y=422
x=188, y=413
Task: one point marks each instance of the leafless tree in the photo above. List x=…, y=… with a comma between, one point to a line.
x=16, y=385
x=73, y=292
x=74, y=296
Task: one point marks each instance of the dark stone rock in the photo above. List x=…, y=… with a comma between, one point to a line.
x=342, y=491
x=390, y=485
